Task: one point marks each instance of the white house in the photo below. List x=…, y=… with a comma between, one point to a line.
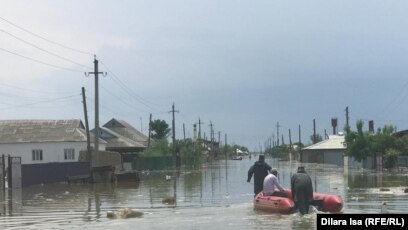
x=43, y=141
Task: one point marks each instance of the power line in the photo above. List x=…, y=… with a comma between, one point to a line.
x=45, y=39
x=121, y=100
x=116, y=79
x=45, y=101
x=41, y=62
x=44, y=50
x=32, y=90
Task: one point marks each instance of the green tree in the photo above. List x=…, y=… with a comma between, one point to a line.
x=358, y=143
x=390, y=158
x=383, y=140
x=402, y=145
x=160, y=129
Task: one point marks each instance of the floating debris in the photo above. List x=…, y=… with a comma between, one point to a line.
x=169, y=200
x=124, y=214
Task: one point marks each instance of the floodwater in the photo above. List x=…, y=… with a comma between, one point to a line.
x=216, y=196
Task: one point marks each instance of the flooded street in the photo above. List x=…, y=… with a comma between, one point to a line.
x=215, y=197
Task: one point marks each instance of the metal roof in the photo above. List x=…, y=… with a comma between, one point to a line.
x=123, y=135
x=119, y=141
x=334, y=142
x=35, y=131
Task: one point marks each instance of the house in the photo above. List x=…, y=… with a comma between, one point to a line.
x=123, y=138
x=329, y=151
x=49, y=149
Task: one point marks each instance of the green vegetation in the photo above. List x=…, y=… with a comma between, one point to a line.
x=160, y=129
x=190, y=152
x=157, y=148
x=361, y=144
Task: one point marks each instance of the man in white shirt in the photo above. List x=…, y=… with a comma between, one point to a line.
x=270, y=182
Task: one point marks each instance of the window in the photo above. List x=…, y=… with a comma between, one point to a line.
x=37, y=154
x=69, y=154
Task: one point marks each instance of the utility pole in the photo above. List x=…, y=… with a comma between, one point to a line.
x=88, y=138
x=300, y=146
x=277, y=133
x=290, y=141
x=273, y=138
x=184, y=132
x=199, y=128
x=314, y=131
x=212, y=137
x=174, y=133
x=96, y=73
x=226, y=155
x=347, y=117
x=150, y=130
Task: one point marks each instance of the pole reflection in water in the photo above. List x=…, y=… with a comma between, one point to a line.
x=204, y=199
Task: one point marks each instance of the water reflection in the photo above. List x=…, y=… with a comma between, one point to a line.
x=207, y=198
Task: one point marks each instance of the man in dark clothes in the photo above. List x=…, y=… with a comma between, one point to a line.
x=260, y=170
x=302, y=190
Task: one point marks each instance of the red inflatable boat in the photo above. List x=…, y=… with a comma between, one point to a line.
x=274, y=204
x=285, y=205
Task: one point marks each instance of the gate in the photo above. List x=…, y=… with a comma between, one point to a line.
x=10, y=172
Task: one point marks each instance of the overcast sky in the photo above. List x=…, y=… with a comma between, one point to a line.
x=244, y=65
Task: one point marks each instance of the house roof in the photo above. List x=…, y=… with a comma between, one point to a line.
x=34, y=131
x=334, y=142
x=125, y=135
x=119, y=141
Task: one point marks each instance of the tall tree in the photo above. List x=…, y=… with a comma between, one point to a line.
x=160, y=129
x=358, y=143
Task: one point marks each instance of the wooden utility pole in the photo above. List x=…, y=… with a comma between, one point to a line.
x=226, y=155
x=314, y=131
x=184, y=132
x=347, y=117
x=199, y=128
x=88, y=138
x=96, y=73
x=174, y=133
x=290, y=140
x=212, y=137
x=277, y=133
x=273, y=140
x=300, y=146
x=150, y=130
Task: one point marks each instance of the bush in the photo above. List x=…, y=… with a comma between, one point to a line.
x=390, y=158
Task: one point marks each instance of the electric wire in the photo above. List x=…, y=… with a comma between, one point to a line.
x=40, y=102
x=123, y=101
x=41, y=62
x=44, y=50
x=116, y=79
x=45, y=39
x=33, y=90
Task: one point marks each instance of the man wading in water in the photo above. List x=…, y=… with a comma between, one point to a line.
x=302, y=190
x=260, y=170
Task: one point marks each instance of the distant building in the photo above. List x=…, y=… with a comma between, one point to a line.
x=49, y=149
x=329, y=151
